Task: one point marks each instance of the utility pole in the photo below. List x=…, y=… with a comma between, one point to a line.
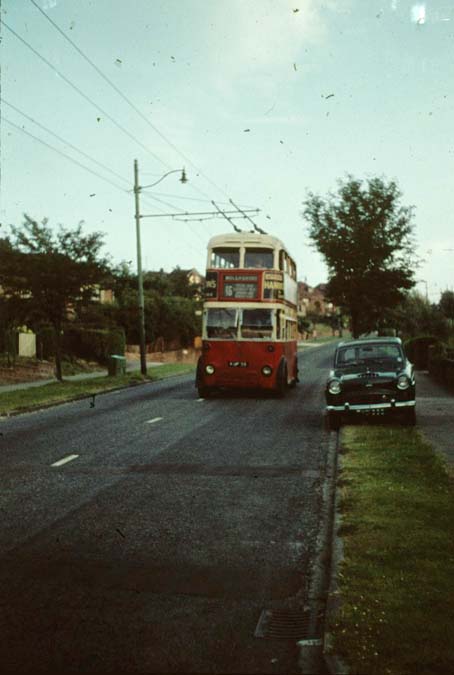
x=143, y=356
x=138, y=216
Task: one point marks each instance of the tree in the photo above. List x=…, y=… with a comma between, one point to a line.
x=365, y=236
x=12, y=306
x=447, y=305
x=170, y=306
x=52, y=272
x=416, y=316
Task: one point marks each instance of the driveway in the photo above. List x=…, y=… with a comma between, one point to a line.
x=435, y=411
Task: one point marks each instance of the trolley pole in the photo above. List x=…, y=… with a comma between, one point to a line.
x=143, y=356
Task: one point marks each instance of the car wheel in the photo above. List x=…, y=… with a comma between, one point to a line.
x=333, y=421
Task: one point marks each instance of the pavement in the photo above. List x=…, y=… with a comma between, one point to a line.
x=435, y=414
x=130, y=366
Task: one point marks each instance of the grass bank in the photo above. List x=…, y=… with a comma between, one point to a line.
x=57, y=392
x=396, y=581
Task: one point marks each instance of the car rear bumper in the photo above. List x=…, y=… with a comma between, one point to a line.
x=389, y=405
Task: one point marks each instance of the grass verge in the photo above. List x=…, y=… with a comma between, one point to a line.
x=396, y=581
x=58, y=392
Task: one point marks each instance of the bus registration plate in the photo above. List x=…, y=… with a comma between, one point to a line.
x=238, y=364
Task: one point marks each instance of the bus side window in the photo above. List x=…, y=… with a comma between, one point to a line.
x=282, y=325
x=292, y=269
x=281, y=260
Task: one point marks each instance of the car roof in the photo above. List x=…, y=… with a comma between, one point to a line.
x=372, y=340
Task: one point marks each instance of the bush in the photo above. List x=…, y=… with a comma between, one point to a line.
x=417, y=349
x=92, y=344
x=441, y=364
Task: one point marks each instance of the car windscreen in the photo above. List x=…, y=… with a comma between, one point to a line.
x=381, y=353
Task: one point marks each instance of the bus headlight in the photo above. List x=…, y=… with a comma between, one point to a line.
x=209, y=369
x=267, y=370
x=403, y=382
x=334, y=387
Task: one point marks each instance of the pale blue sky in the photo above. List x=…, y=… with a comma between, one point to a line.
x=340, y=86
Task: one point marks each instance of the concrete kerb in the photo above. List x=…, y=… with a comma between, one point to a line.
x=312, y=651
x=334, y=664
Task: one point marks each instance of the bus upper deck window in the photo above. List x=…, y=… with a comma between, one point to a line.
x=225, y=258
x=259, y=258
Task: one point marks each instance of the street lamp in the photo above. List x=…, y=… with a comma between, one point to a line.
x=183, y=178
x=137, y=189
x=423, y=281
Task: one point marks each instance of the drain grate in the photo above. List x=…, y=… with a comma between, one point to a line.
x=283, y=624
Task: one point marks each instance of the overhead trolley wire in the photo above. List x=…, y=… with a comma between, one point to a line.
x=130, y=103
x=83, y=166
x=63, y=154
x=86, y=168
x=62, y=140
x=87, y=98
x=84, y=154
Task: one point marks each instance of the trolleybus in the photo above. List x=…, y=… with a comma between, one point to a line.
x=249, y=337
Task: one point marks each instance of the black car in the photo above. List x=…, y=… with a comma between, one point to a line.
x=370, y=376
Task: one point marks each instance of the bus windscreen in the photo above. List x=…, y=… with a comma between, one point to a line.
x=257, y=324
x=221, y=323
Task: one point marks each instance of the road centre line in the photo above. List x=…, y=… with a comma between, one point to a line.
x=65, y=460
x=155, y=419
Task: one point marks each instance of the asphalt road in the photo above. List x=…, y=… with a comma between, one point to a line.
x=159, y=545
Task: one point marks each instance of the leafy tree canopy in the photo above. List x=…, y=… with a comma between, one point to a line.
x=447, y=304
x=365, y=237
x=416, y=316
x=52, y=271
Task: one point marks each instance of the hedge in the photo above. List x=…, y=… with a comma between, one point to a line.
x=417, y=349
x=441, y=365
x=93, y=344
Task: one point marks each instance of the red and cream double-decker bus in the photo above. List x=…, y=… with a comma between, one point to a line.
x=249, y=335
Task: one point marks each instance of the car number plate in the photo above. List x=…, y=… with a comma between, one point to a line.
x=238, y=364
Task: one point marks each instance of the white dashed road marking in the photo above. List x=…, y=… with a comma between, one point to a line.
x=200, y=399
x=155, y=419
x=69, y=458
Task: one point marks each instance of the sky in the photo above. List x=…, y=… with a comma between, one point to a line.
x=260, y=101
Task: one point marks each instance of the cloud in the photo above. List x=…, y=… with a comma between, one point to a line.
x=259, y=36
